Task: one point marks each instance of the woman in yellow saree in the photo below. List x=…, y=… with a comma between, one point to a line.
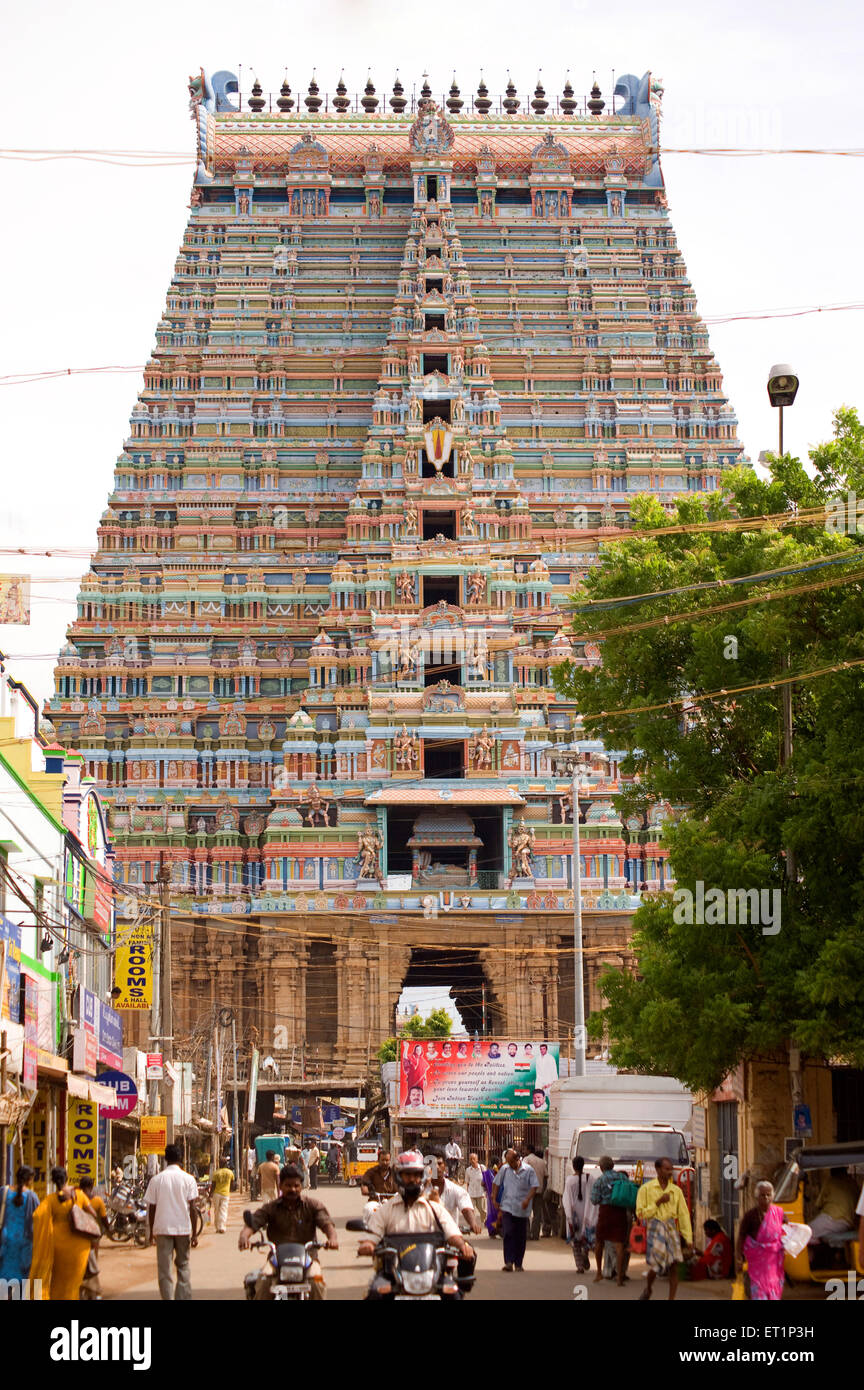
x=59, y=1254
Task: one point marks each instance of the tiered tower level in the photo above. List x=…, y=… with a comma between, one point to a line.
x=413, y=367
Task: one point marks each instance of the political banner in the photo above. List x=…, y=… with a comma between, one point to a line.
x=133, y=972
x=493, y=1079
x=14, y=598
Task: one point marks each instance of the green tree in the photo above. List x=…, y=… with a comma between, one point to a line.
x=706, y=996
x=438, y=1024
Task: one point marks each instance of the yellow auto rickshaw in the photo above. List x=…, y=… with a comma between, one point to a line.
x=796, y=1191
x=366, y=1157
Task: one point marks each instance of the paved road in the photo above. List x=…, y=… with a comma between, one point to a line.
x=218, y=1267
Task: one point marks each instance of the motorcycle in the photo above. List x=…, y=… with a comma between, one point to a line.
x=417, y=1266
x=127, y=1215
x=288, y=1265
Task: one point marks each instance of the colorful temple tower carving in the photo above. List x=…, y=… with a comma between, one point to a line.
x=412, y=369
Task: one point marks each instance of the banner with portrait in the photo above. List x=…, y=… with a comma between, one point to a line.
x=455, y=1078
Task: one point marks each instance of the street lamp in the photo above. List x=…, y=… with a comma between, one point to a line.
x=782, y=390
x=575, y=767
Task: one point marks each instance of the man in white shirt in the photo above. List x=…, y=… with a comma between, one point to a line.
x=538, y=1209
x=312, y=1157
x=169, y=1199
x=453, y=1155
x=545, y=1069
x=455, y=1199
x=475, y=1185
x=410, y=1213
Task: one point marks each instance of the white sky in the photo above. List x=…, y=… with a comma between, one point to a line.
x=88, y=250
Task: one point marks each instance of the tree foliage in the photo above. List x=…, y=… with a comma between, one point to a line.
x=706, y=996
x=438, y=1024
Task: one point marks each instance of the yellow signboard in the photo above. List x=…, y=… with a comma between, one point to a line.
x=133, y=973
x=154, y=1134
x=34, y=1147
x=82, y=1140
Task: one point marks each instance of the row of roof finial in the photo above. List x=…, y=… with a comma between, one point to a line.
x=482, y=102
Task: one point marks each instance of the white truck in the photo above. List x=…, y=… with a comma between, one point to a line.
x=634, y=1119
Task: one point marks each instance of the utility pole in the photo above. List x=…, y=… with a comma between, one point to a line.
x=156, y=1029
x=167, y=1029
x=217, y=1091
x=236, y=1104
x=2, y=1087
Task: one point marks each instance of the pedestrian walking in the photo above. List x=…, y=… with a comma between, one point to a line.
x=760, y=1243
x=489, y=1175
x=252, y=1172
x=311, y=1158
x=535, y=1160
x=91, y=1288
x=475, y=1183
x=453, y=1156
x=662, y=1207
x=514, y=1190
x=17, y=1205
x=170, y=1198
x=60, y=1251
x=613, y=1222
x=334, y=1158
x=268, y=1178
x=580, y=1215
x=220, y=1189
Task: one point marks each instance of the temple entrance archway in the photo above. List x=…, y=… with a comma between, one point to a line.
x=462, y=973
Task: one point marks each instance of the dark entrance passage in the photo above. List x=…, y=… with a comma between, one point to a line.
x=438, y=586
x=461, y=972
x=444, y=757
x=439, y=524
x=321, y=993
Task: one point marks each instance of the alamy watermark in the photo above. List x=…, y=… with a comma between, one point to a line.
x=21, y=1290
x=844, y=516
x=714, y=907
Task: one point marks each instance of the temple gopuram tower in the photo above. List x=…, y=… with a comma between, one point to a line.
x=414, y=364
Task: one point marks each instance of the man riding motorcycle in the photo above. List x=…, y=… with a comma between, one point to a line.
x=411, y=1213
x=293, y=1217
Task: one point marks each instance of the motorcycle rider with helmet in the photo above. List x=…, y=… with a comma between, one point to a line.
x=412, y=1213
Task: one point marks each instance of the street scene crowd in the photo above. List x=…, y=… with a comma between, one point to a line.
x=55, y=1243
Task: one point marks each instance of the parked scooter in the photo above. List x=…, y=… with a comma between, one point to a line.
x=127, y=1215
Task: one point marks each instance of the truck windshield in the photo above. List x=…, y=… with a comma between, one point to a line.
x=628, y=1146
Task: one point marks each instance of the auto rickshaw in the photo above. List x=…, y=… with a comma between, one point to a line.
x=367, y=1157
x=795, y=1191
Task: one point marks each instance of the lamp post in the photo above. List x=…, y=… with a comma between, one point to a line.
x=574, y=767
x=782, y=390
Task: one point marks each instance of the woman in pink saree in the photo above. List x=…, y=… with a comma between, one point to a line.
x=760, y=1243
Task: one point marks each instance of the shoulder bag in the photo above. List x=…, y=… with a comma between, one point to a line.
x=623, y=1193
x=82, y=1223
